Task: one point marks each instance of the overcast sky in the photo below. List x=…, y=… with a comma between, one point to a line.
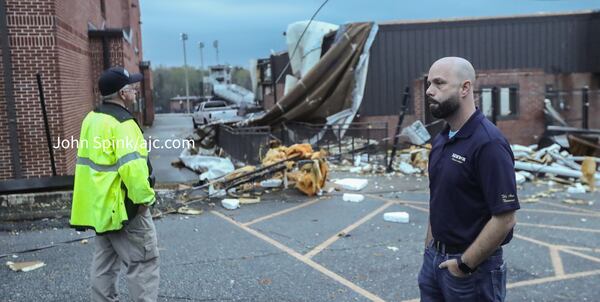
x=248, y=29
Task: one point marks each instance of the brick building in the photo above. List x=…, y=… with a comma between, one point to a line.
x=526, y=58
x=69, y=43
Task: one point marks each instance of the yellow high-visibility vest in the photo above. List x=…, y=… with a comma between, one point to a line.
x=111, y=167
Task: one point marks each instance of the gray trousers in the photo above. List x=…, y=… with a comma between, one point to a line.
x=136, y=247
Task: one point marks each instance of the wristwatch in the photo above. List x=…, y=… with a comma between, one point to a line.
x=464, y=267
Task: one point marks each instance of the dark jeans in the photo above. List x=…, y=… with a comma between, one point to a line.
x=487, y=283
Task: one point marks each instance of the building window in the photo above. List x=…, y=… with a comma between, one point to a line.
x=507, y=101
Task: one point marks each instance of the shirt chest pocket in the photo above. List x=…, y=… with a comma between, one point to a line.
x=456, y=170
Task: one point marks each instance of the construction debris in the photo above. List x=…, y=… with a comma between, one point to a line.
x=211, y=167
x=352, y=184
x=271, y=183
x=588, y=169
x=555, y=164
x=245, y=201
x=540, y=168
x=353, y=197
x=311, y=177
x=189, y=211
x=407, y=168
x=25, y=266
x=529, y=200
x=416, y=133
x=399, y=217
x=230, y=204
x=520, y=178
x=578, y=202
x=393, y=248
x=577, y=189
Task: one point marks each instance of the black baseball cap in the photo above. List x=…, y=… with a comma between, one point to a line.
x=115, y=78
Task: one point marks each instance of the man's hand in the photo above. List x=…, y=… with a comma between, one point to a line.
x=429, y=236
x=452, y=266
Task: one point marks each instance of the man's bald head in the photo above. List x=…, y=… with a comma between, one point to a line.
x=458, y=68
x=450, y=90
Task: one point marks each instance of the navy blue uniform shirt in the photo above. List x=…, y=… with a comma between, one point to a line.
x=471, y=178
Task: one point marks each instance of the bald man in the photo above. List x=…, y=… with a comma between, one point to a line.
x=473, y=195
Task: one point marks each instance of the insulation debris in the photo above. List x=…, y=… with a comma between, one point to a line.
x=189, y=211
x=352, y=184
x=555, y=165
x=399, y=217
x=282, y=167
x=353, y=197
x=25, y=266
x=211, y=167
x=230, y=203
x=245, y=200
x=577, y=202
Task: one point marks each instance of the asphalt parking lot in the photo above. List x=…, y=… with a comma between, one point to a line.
x=293, y=248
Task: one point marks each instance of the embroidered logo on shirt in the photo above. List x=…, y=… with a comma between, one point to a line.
x=458, y=158
x=507, y=197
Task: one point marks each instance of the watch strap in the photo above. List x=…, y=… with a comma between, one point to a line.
x=464, y=267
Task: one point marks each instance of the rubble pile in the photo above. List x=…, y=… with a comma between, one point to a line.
x=409, y=161
x=351, y=145
x=282, y=167
x=554, y=165
x=204, y=149
x=308, y=174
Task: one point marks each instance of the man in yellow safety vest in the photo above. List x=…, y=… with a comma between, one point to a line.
x=113, y=191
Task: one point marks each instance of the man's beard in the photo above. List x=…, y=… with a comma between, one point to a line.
x=443, y=109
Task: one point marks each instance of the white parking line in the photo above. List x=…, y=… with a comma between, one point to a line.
x=359, y=290
x=559, y=212
x=302, y=205
x=557, y=227
x=335, y=237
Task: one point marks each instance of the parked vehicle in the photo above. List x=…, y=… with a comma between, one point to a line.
x=211, y=111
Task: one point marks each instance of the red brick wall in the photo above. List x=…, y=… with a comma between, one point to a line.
x=410, y=117
x=75, y=68
x=391, y=120
x=529, y=126
x=114, y=13
x=146, y=89
x=136, y=25
x=115, y=46
x=269, y=97
x=97, y=65
x=570, y=86
x=51, y=37
x=526, y=129
x=31, y=28
x=5, y=155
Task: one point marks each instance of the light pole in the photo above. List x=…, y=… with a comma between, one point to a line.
x=216, y=46
x=201, y=46
x=184, y=38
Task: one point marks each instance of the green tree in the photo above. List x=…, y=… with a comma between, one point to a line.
x=241, y=77
x=169, y=82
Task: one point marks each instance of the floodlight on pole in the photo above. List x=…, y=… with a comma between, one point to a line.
x=216, y=46
x=184, y=38
x=201, y=46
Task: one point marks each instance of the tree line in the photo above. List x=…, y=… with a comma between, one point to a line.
x=169, y=82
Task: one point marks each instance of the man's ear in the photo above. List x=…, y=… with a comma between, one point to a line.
x=466, y=87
